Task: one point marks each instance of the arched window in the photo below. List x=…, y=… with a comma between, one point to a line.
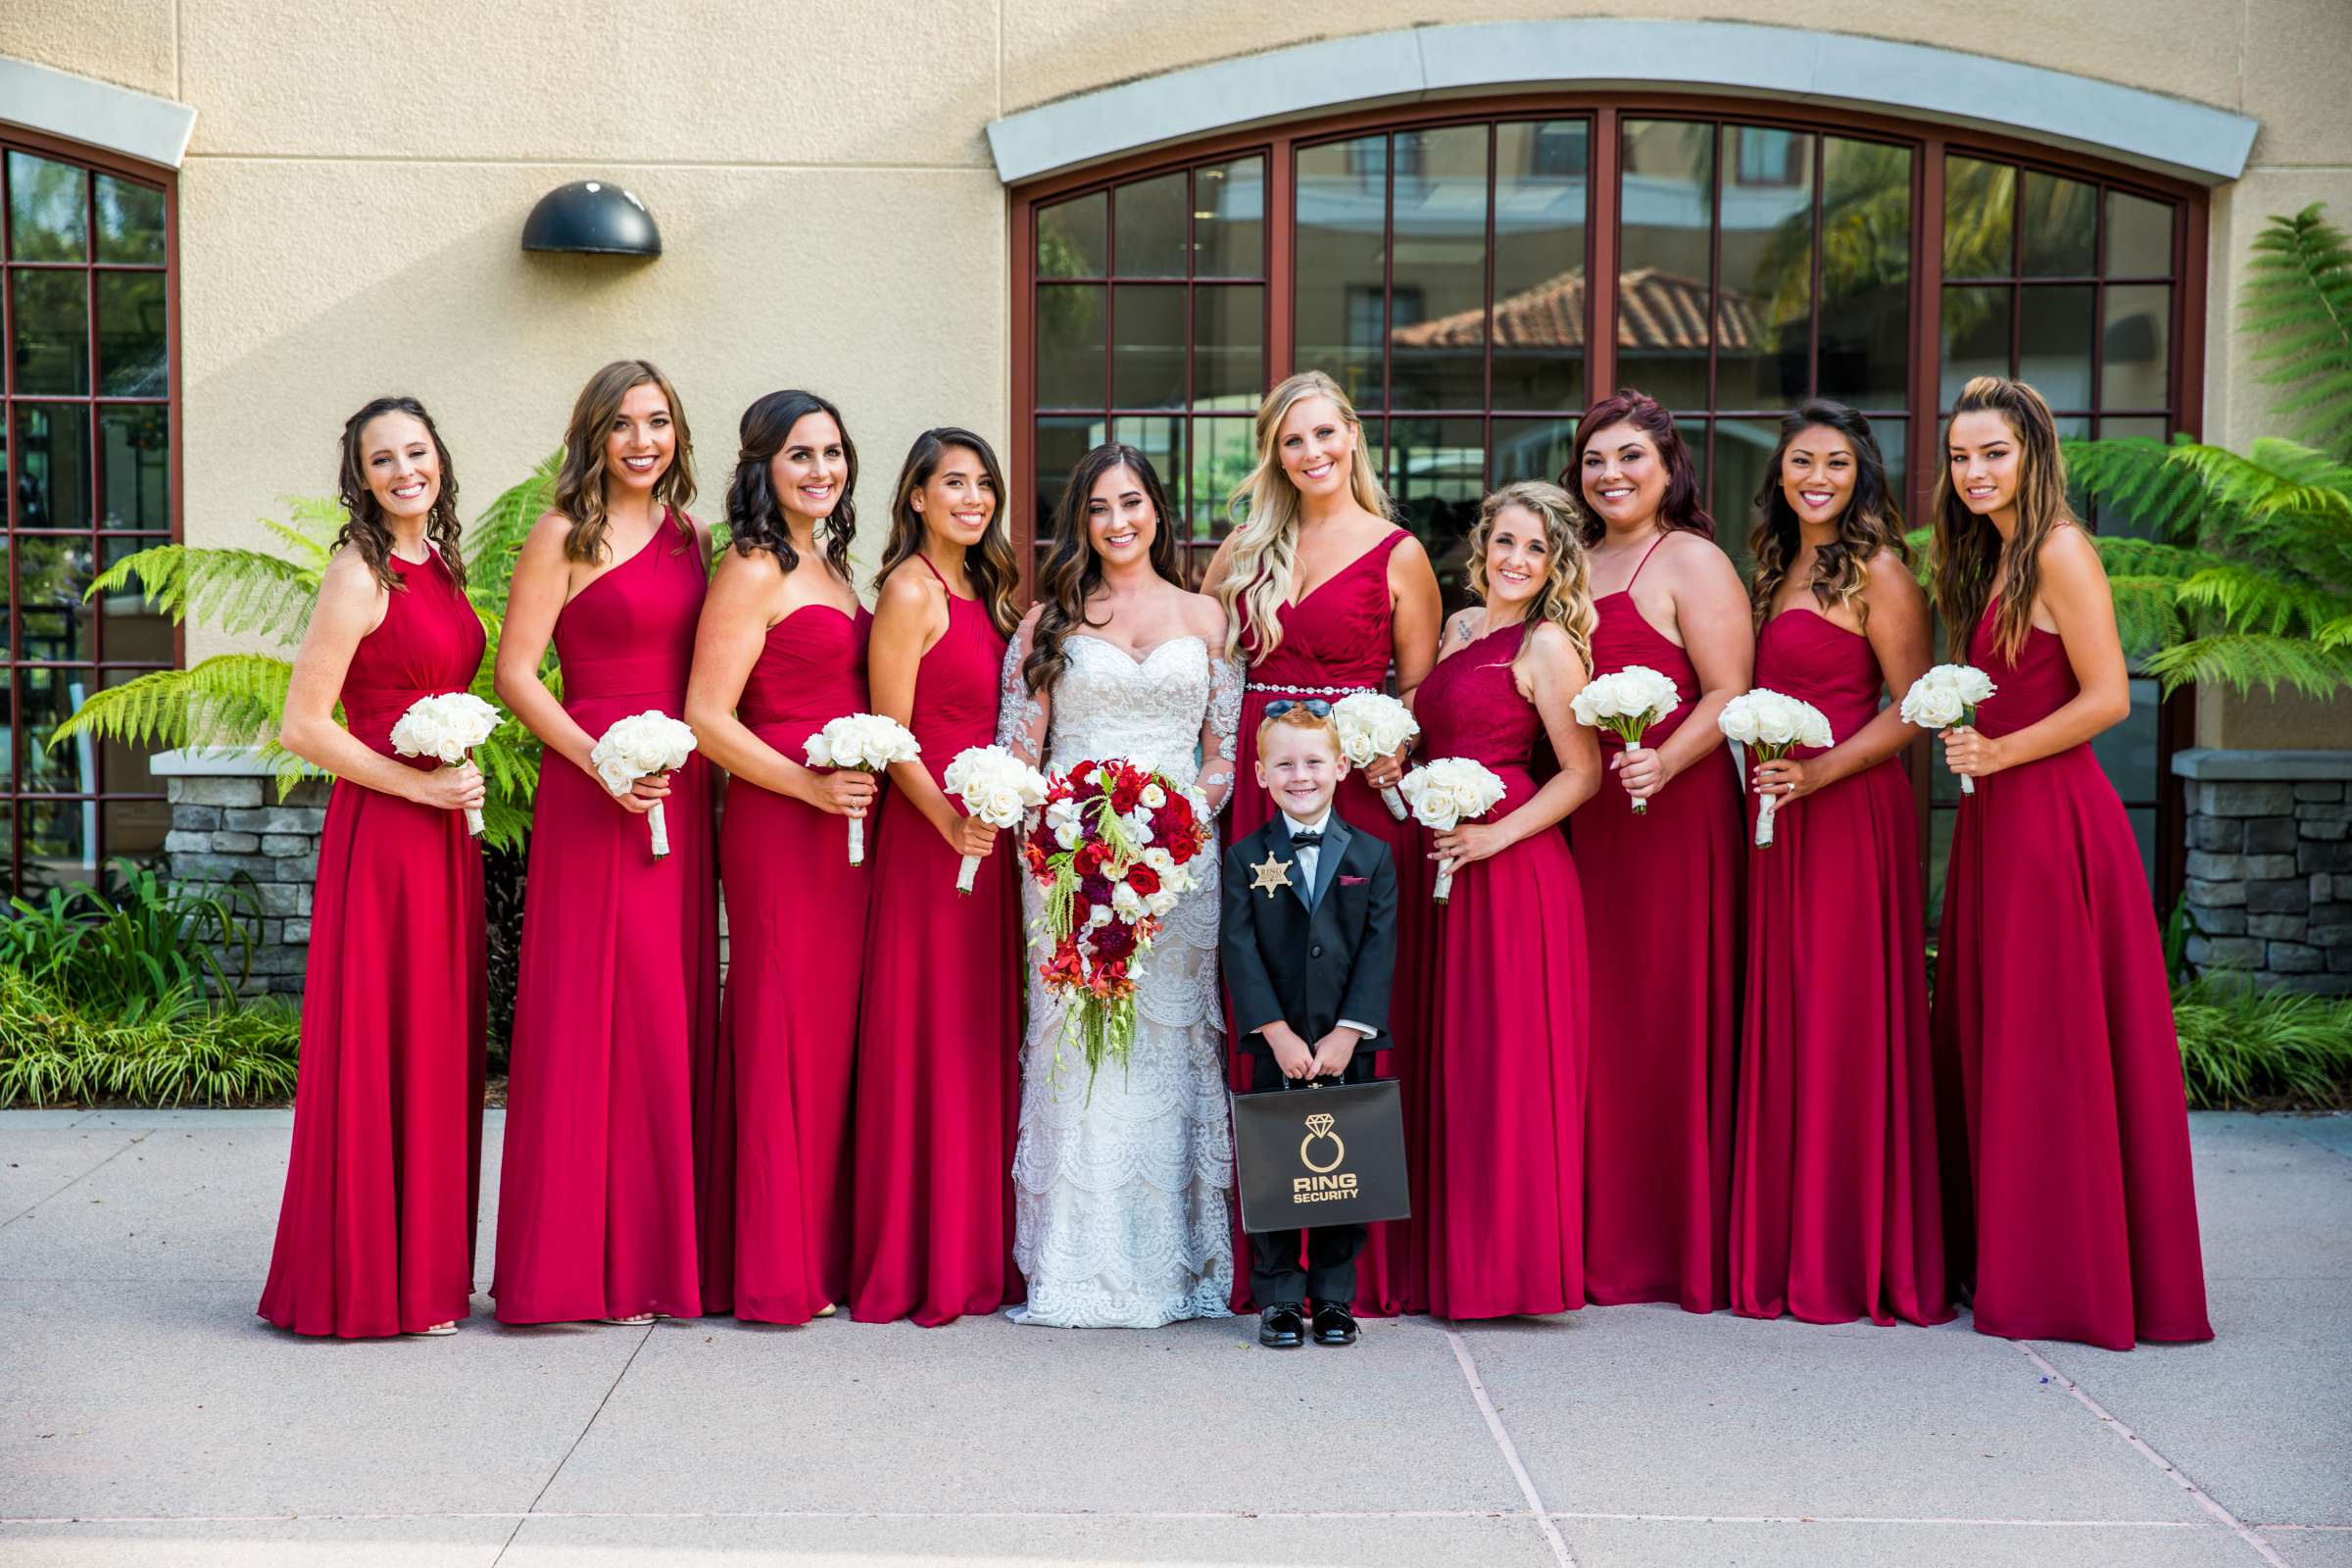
x=88, y=444
x=1473, y=274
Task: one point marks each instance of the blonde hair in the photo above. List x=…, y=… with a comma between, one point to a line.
x=1300, y=716
x=1971, y=563
x=1265, y=535
x=581, y=480
x=1566, y=597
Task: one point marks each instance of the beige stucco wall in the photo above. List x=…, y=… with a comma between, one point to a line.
x=354, y=192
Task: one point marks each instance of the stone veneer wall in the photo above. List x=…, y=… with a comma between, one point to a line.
x=227, y=818
x=2269, y=864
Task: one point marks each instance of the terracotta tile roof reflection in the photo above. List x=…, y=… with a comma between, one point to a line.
x=1656, y=310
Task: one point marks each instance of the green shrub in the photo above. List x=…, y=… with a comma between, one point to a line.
x=120, y=955
x=178, y=1049
x=2243, y=1048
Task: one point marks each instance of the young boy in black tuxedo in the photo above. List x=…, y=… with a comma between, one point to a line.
x=1309, y=944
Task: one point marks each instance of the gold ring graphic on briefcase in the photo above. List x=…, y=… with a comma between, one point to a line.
x=1319, y=1126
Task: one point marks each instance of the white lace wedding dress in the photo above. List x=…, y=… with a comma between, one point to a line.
x=1119, y=1198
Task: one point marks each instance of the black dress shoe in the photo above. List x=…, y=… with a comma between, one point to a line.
x=1282, y=1328
x=1333, y=1324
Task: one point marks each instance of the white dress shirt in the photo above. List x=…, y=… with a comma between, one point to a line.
x=1308, y=857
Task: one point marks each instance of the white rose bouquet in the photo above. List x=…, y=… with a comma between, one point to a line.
x=643, y=744
x=1626, y=703
x=1373, y=725
x=1945, y=696
x=994, y=786
x=1445, y=792
x=447, y=728
x=1768, y=724
x=865, y=743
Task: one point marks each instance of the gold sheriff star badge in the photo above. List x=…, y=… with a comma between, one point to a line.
x=1270, y=874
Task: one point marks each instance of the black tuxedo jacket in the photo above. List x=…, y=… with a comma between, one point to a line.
x=1310, y=967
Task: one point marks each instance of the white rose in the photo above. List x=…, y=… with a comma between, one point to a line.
x=1153, y=796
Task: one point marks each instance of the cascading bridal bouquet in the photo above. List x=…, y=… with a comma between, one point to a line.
x=1626, y=703
x=995, y=787
x=1768, y=724
x=447, y=728
x=1112, y=848
x=643, y=744
x=1945, y=696
x=1373, y=725
x=863, y=743
x=1444, y=794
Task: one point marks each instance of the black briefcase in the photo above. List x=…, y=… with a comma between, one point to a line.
x=1329, y=1156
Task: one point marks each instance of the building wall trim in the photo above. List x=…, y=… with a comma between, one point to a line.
x=2080, y=113
x=97, y=113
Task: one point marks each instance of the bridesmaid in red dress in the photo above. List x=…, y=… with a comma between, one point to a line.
x=375, y=1236
x=617, y=1007
x=781, y=651
x=938, y=1029
x=1503, y=1073
x=1324, y=596
x=2052, y=1007
x=1664, y=886
x=1835, y=1210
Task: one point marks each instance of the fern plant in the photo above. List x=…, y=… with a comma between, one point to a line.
x=2246, y=577
x=241, y=699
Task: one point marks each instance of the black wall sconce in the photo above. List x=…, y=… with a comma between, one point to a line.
x=591, y=217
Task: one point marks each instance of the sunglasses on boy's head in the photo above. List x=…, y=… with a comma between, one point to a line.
x=1313, y=705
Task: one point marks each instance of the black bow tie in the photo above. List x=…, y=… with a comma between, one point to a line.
x=1306, y=841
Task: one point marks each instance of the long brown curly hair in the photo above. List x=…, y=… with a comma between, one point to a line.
x=1566, y=597
x=1681, y=507
x=1970, y=563
x=580, y=481
x=996, y=573
x=365, y=528
x=1871, y=522
x=1072, y=568
x=754, y=516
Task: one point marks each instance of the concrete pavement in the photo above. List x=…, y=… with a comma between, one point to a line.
x=146, y=1417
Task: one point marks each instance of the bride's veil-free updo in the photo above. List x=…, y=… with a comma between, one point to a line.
x=1073, y=570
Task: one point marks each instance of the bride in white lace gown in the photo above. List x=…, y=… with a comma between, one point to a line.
x=1119, y=1197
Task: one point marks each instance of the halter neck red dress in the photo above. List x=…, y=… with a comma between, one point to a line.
x=775, y=1132
x=1335, y=641
x=1835, y=1207
x=2053, y=1017
x=617, y=1006
x=1504, y=1069
x=938, y=1033
x=1663, y=942
x=376, y=1233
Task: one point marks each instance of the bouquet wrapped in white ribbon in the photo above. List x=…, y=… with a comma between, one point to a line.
x=994, y=786
x=1768, y=724
x=1945, y=696
x=447, y=728
x=866, y=742
x=1626, y=703
x=1373, y=725
x=643, y=744
x=1445, y=792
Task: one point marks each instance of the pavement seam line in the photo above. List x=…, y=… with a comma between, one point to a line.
x=2316, y=1144
x=586, y=1427
x=78, y=1180
x=1153, y=1514
x=2140, y=1445
x=1510, y=1450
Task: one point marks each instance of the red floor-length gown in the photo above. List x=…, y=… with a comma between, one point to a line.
x=775, y=1142
x=1663, y=888
x=375, y=1235
x=1336, y=641
x=1502, y=1074
x=1835, y=1207
x=617, y=1007
x=939, y=1032
x=2053, y=1015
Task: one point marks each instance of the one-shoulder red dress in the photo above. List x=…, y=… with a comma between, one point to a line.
x=2053, y=1033
x=376, y=1233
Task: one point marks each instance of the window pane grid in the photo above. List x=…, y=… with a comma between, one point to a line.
x=86, y=351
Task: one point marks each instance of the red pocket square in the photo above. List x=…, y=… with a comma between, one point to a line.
x=1354, y=881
